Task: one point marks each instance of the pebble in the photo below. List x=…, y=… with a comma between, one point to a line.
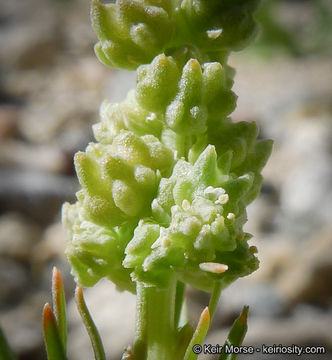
x=38, y=195
x=48, y=158
x=13, y=282
x=8, y=121
x=17, y=236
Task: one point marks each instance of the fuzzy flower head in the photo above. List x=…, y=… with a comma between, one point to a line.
x=165, y=187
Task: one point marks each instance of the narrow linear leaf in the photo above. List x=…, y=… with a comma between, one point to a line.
x=89, y=325
x=236, y=334
x=59, y=305
x=5, y=350
x=53, y=342
x=199, y=334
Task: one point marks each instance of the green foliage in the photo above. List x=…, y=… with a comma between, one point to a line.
x=306, y=30
x=5, y=350
x=236, y=334
x=55, y=324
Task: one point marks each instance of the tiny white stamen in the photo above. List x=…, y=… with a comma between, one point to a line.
x=216, y=192
x=151, y=117
x=194, y=111
x=209, y=190
x=222, y=199
x=212, y=267
x=90, y=272
x=231, y=216
x=206, y=228
x=214, y=34
x=185, y=205
x=165, y=242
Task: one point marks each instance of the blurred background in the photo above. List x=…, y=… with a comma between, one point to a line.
x=51, y=86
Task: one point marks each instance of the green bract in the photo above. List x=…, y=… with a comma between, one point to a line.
x=165, y=188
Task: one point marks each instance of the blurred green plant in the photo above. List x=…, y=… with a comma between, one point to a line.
x=297, y=31
x=6, y=352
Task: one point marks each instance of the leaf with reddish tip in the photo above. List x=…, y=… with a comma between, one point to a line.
x=53, y=342
x=5, y=350
x=89, y=324
x=236, y=334
x=59, y=305
x=199, y=334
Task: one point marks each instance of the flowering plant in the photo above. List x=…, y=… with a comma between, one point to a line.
x=166, y=185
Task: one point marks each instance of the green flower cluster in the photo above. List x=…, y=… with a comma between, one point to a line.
x=165, y=188
x=133, y=32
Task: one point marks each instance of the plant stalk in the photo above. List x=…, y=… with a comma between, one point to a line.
x=155, y=330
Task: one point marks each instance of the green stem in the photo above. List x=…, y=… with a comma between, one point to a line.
x=140, y=343
x=179, y=298
x=214, y=299
x=155, y=332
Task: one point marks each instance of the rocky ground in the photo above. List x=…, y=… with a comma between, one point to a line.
x=51, y=86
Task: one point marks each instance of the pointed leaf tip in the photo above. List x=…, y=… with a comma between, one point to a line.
x=47, y=314
x=244, y=314
x=89, y=324
x=59, y=305
x=205, y=316
x=53, y=343
x=236, y=334
x=199, y=334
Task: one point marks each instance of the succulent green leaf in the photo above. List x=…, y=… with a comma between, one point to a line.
x=236, y=335
x=59, y=305
x=199, y=334
x=90, y=326
x=52, y=336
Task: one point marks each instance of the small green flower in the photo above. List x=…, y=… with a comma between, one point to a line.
x=196, y=224
x=133, y=32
